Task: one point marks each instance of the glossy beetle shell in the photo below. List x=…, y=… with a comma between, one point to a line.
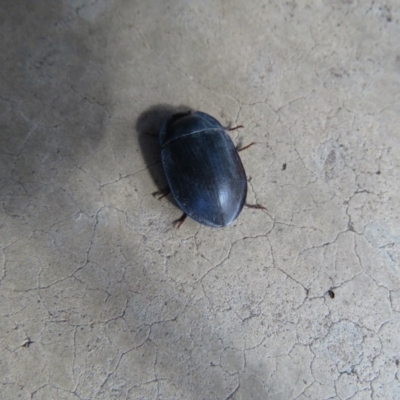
x=203, y=169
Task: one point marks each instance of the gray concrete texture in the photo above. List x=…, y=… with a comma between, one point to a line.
x=102, y=298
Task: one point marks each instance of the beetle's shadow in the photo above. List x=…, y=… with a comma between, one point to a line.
x=148, y=126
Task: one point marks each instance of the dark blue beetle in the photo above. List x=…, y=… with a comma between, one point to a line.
x=203, y=169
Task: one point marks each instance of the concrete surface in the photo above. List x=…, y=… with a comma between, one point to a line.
x=101, y=298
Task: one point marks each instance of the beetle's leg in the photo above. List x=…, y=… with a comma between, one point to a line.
x=162, y=193
x=256, y=206
x=236, y=127
x=246, y=147
x=180, y=221
x=243, y=148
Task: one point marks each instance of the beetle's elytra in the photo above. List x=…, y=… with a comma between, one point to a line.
x=203, y=169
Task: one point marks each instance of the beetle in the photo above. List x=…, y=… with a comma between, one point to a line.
x=203, y=169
